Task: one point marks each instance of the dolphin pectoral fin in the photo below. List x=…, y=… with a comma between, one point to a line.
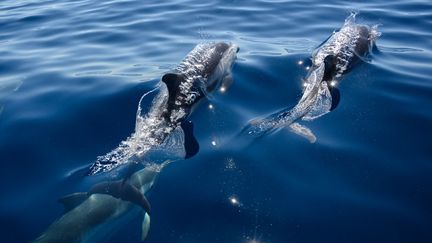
x=72, y=200
x=303, y=131
x=322, y=104
x=190, y=142
x=335, y=96
x=145, y=226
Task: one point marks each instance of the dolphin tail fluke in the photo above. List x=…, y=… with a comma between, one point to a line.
x=145, y=227
x=303, y=131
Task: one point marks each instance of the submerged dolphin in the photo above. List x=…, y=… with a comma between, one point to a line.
x=88, y=212
x=332, y=59
x=202, y=70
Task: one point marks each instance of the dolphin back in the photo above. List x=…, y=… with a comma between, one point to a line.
x=123, y=190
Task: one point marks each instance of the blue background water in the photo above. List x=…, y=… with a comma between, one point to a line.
x=72, y=73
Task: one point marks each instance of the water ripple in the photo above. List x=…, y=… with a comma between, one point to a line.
x=72, y=73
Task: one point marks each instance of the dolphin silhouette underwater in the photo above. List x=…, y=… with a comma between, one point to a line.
x=330, y=61
x=206, y=68
x=88, y=212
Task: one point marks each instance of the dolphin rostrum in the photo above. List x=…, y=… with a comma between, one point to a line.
x=335, y=57
x=88, y=212
x=205, y=68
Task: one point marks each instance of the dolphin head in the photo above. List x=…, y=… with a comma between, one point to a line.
x=221, y=63
x=231, y=54
x=364, y=40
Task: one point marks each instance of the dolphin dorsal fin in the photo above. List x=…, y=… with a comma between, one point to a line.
x=72, y=200
x=172, y=82
x=329, y=67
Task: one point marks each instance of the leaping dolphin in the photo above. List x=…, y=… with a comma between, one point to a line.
x=203, y=70
x=335, y=57
x=87, y=212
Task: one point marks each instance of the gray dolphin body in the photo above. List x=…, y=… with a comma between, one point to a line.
x=199, y=73
x=104, y=203
x=336, y=56
x=204, y=69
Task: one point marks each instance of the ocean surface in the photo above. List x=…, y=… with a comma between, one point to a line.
x=72, y=74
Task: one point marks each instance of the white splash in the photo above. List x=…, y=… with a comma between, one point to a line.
x=149, y=129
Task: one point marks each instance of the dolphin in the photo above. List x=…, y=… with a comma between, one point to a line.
x=333, y=58
x=87, y=212
x=166, y=108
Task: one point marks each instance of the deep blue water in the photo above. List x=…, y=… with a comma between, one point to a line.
x=72, y=73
